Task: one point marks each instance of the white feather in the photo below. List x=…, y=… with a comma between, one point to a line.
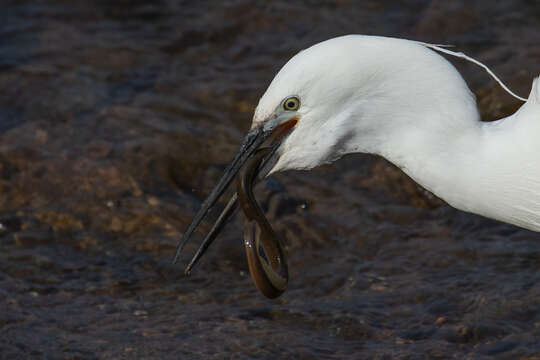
x=401, y=100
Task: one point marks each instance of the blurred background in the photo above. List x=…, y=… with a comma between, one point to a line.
x=117, y=117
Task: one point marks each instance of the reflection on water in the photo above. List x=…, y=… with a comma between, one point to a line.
x=117, y=118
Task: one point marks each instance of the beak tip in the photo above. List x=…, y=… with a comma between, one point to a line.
x=176, y=257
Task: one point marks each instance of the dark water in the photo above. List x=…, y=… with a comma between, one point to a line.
x=116, y=118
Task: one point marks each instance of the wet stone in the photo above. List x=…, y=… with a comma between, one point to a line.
x=497, y=348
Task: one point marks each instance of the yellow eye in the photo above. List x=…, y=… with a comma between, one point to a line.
x=291, y=103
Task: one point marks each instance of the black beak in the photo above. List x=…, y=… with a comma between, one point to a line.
x=253, y=140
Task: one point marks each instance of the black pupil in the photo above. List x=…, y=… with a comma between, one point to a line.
x=290, y=104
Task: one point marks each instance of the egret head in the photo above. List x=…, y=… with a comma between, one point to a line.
x=324, y=88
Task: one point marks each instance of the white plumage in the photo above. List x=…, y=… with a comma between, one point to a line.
x=403, y=101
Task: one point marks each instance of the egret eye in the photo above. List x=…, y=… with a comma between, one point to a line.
x=291, y=103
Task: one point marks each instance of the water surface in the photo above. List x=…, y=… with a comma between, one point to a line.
x=116, y=119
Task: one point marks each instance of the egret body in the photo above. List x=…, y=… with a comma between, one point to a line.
x=403, y=101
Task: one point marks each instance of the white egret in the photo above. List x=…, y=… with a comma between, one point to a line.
x=405, y=102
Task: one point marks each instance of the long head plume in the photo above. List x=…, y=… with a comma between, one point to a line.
x=444, y=50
